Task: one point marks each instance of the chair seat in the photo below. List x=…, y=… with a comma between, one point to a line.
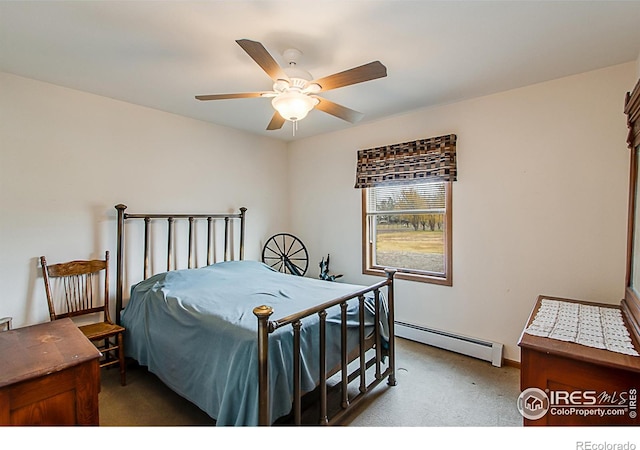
x=100, y=330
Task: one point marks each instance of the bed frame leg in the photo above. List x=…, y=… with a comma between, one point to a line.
x=262, y=313
x=391, y=381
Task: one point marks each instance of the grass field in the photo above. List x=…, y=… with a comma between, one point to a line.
x=408, y=240
x=406, y=247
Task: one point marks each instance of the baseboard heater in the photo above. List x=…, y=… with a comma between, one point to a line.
x=477, y=348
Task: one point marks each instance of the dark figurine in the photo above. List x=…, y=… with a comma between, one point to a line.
x=324, y=271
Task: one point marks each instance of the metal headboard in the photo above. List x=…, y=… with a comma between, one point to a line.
x=170, y=220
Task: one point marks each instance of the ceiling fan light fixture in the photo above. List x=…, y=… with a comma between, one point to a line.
x=281, y=85
x=295, y=91
x=293, y=106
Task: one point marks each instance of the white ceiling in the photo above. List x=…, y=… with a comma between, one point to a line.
x=162, y=54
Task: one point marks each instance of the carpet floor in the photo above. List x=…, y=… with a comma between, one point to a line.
x=436, y=388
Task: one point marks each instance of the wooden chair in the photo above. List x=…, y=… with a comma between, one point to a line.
x=73, y=290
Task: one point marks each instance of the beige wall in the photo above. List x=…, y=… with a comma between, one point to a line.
x=540, y=205
x=539, y=208
x=68, y=157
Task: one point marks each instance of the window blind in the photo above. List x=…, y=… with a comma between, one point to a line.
x=424, y=160
x=426, y=198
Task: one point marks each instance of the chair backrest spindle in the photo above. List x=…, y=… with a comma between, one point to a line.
x=72, y=287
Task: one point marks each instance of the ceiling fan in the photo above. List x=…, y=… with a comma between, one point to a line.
x=295, y=91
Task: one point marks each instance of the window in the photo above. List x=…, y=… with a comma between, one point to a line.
x=406, y=208
x=408, y=227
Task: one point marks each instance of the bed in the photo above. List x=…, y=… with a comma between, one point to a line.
x=209, y=332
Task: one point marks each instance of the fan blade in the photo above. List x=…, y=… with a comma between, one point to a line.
x=261, y=56
x=276, y=121
x=339, y=111
x=226, y=96
x=358, y=74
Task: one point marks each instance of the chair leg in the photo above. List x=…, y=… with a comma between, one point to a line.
x=123, y=380
x=107, y=344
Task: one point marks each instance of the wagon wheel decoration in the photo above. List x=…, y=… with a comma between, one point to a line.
x=286, y=253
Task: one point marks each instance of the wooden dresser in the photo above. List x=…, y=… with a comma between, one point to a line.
x=49, y=375
x=588, y=386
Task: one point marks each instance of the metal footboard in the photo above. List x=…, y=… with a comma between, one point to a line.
x=266, y=327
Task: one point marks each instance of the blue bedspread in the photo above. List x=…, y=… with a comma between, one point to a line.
x=196, y=331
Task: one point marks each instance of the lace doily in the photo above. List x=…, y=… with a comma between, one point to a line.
x=593, y=326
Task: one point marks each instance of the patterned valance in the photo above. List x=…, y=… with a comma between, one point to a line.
x=424, y=160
